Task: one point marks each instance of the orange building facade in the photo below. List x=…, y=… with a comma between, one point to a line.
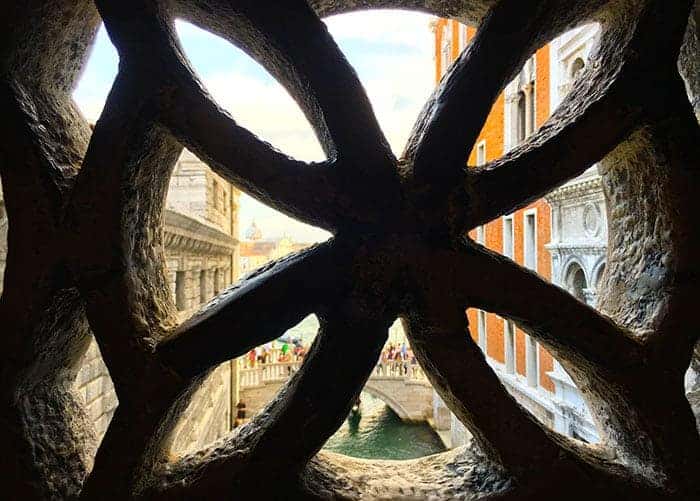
x=562, y=237
x=563, y=240
x=522, y=235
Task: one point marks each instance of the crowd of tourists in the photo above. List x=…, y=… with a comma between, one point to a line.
x=292, y=350
x=396, y=360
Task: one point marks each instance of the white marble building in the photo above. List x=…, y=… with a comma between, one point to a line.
x=579, y=234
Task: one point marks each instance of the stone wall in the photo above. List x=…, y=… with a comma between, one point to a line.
x=208, y=417
x=95, y=386
x=200, y=261
x=191, y=247
x=257, y=397
x=202, y=245
x=197, y=191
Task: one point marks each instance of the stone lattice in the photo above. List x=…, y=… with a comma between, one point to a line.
x=85, y=254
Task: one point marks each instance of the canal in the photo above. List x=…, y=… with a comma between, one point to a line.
x=378, y=433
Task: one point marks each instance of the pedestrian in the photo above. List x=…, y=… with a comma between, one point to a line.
x=251, y=358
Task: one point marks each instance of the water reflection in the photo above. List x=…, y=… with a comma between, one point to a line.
x=376, y=432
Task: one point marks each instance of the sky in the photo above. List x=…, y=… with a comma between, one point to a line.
x=392, y=52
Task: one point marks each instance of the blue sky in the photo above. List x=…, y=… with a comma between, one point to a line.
x=390, y=50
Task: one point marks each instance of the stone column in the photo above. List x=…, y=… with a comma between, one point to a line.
x=556, y=238
x=235, y=395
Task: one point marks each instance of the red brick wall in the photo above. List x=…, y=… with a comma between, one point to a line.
x=493, y=134
x=455, y=40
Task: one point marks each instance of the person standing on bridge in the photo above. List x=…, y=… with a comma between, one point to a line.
x=251, y=358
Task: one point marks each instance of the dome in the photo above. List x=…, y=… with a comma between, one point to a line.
x=253, y=232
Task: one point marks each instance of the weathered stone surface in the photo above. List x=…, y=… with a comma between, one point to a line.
x=87, y=207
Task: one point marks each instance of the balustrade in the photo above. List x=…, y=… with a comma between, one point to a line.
x=262, y=373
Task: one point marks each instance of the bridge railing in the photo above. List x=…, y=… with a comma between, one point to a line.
x=271, y=372
x=263, y=373
x=398, y=369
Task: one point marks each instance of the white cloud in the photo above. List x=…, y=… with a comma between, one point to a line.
x=265, y=108
x=397, y=85
x=395, y=27
x=397, y=89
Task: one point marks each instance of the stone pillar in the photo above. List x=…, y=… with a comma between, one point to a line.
x=192, y=291
x=235, y=389
x=556, y=237
x=226, y=277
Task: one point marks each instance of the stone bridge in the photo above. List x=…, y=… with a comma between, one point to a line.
x=404, y=388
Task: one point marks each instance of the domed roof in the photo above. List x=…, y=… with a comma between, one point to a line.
x=253, y=232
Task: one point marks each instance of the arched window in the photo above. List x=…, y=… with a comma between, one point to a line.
x=576, y=282
x=522, y=117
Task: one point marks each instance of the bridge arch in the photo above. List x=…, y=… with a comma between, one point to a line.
x=410, y=396
x=375, y=390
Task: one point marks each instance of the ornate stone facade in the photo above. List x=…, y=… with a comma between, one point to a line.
x=578, y=248
x=579, y=232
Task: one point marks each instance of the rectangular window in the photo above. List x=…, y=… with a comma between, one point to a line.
x=215, y=192
x=462, y=37
x=531, y=362
x=509, y=339
x=446, y=49
x=481, y=234
x=481, y=153
x=508, y=236
x=530, y=240
x=481, y=326
x=521, y=118
x=531, y=111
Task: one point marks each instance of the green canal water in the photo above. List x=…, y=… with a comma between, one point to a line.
x=380, y=434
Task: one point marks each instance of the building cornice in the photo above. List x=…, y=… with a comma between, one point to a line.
x=185, y=234
x=577, y=188
x=587, y=248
